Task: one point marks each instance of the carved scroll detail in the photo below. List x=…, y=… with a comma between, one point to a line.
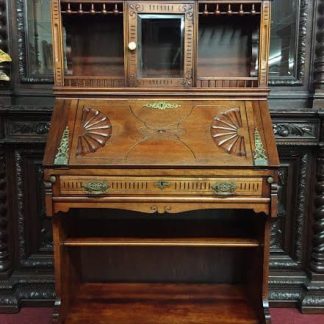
x=4, y=250
x=319, y=49
x=317, y=262
x=96, y=130
x=225, y=131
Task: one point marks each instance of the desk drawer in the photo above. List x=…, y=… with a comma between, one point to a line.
x=84, y=185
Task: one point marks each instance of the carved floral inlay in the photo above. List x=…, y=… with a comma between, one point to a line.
x=225, y=131
x=96, y=129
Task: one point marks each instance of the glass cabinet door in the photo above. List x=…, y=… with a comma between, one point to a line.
x=160, y=42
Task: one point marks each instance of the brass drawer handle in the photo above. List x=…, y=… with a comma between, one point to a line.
x=224, y=188
x=162, y=184
x=96, y=187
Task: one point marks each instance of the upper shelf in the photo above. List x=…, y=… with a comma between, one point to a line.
x=161, y=46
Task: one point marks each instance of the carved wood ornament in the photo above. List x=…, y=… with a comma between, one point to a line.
x=96, y=129
x=225, y=131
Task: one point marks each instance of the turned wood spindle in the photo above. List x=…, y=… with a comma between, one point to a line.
x=217, y=11
x=93, y=11
x=104, y=10
x=80, y=8
x=205, y=12
x=69, y=8
x=241, y=12
x=229, y=9
x=116, y=11
x=253, y=12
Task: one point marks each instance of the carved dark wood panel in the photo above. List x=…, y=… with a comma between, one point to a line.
x=26, y=264
x=289, y=231
x=4, y=248
x=313, y=300
x=319, y=47
x=34, y=239
x=298, y=137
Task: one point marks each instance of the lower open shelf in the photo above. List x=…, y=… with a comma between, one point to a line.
x=184, y=242
x=161, y=304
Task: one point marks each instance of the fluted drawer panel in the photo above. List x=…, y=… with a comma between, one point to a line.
x=73, y=185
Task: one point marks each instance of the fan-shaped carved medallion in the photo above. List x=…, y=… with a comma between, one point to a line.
x=226, y=132
x=95, y=130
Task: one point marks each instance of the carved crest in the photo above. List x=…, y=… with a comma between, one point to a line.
x=96, y=129
x=225, y=131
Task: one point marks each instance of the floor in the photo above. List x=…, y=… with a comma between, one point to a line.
x=43, y=316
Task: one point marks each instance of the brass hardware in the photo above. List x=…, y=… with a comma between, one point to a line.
x=260, y=157
x=62, y=155
x=270, y=180
x=161, y=105
x=224, y=188
x=132, y=46
x=52, y=179
x=162, y=184
x=96, y=187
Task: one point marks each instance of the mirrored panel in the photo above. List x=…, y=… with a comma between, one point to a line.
x=284, y=38
x=160, y=45
x=38, y=41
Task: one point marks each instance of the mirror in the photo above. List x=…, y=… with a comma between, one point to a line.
x=284, y=39
x=160, y=45
x=39, y=62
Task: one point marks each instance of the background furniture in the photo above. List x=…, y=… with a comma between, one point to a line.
x=296, y=263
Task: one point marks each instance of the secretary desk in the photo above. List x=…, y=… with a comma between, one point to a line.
x=161, y=162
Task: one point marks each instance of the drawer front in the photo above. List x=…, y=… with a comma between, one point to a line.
x=84, y=185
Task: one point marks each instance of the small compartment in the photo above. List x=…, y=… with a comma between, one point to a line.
x=212, y=227
x=93, y=40
x=164, y=283
x=228, y=40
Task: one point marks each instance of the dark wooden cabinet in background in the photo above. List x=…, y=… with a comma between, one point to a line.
x=296, y=100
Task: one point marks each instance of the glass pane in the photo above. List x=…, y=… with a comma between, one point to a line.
x=160, y=45
x=39, y=39
x=282, y=61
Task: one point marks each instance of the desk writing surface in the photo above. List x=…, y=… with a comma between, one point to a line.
x=163, y=133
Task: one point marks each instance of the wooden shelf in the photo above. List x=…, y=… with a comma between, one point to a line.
x=163, y=242
x=161, y=303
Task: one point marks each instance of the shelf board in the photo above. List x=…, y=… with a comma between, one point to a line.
x=162, y=242
x=161, y=304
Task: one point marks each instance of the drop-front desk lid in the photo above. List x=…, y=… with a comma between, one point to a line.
x=150, y=132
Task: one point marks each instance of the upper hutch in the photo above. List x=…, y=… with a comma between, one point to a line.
x=161, y=111
x=190, y=46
